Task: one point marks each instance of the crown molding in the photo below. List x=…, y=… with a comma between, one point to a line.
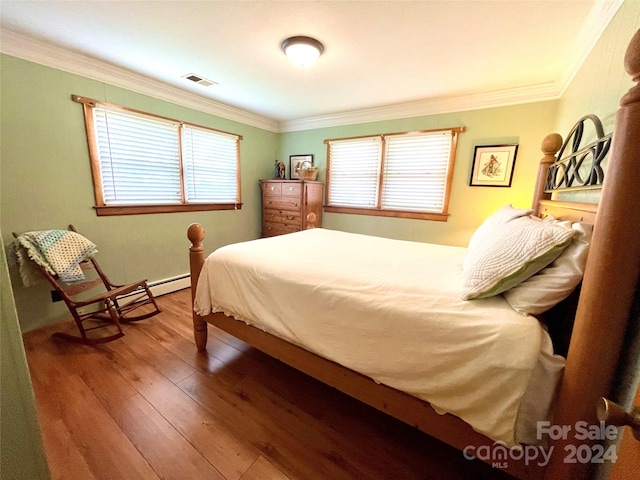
x=45, y=54
x=49, y=55
x=433, y=106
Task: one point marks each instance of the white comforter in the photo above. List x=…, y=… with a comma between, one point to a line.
x=389, y=309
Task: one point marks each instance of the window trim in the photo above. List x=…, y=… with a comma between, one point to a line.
x=382, y=212
x=102, y=209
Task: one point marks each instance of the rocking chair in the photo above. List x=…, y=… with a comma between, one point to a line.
x=111, y=307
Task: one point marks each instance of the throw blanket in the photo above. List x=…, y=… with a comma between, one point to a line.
x=58, y=251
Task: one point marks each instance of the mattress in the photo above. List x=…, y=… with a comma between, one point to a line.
x=392, y=310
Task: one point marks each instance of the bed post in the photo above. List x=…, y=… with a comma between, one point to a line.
x=550, y=146
x=609, y=283
x=195, y=233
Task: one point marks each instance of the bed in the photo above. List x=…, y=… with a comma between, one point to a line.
x=429, y=395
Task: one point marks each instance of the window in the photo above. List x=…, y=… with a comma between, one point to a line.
x=403, y=175
x=143, y=163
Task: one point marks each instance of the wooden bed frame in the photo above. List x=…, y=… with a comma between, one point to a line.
x=599, y=325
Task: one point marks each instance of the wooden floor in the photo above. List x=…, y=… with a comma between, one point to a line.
x=149, y=406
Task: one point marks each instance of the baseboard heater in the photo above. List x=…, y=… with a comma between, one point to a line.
x=160, y=287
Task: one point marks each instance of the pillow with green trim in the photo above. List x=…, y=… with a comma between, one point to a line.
x=512, y=253
x=493, y=221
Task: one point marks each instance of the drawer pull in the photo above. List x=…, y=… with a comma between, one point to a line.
x=269, y=202
x=273, y=189
x=290, y=217
x=294, y=204
x=291, y=189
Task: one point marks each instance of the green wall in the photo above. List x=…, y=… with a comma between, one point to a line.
x=21, y=452
x=525, y=125
x=46, y=182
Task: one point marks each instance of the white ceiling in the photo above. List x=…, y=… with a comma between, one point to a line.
x=381, y=58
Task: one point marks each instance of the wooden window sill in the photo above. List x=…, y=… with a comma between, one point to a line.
x=437, y=217
x=111, y=210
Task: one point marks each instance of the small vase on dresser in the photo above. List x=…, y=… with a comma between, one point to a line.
x=290, y=206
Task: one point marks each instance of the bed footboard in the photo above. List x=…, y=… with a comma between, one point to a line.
x=195, y=233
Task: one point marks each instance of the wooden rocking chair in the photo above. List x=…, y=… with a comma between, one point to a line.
x=110, y=307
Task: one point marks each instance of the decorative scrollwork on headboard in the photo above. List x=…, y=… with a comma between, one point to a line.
x=573, y=170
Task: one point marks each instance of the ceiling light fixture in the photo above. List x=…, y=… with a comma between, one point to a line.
x=302, y=51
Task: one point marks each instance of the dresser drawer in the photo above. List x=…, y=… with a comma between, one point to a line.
x=292, y=189
x=271, y=215
x=272, y=188
x=286, y=217
x=280, y=203
x=290, y=218
x=270, y=229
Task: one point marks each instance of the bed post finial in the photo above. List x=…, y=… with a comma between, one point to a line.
x=632, y=67
x=550, y=146
x=195, y=233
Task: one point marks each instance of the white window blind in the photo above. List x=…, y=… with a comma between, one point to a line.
x=415, y=171
x=139, y=159
x=406, y=172
x=147, y=160
x=210, y=166
x=354, y=170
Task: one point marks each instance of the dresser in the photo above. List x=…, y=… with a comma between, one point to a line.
x=290, y=206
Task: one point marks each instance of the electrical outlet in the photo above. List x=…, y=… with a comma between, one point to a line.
x=55, y=296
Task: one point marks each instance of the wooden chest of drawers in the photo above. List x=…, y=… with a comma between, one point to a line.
x=290, y=206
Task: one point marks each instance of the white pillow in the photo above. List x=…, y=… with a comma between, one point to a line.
x=499, y=217
x=512, y=253
x=554, y=283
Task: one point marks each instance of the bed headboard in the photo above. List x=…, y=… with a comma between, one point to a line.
x=576, y=165
x=571, y=167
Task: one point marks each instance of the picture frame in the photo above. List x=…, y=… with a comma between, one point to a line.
x=298, y=161
x=493, y=165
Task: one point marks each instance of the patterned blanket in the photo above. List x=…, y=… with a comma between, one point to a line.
x=58, y=251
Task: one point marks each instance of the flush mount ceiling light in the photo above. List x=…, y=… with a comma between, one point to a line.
x=302, y=51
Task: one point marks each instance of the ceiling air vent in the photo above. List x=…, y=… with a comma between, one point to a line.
x=198, y=79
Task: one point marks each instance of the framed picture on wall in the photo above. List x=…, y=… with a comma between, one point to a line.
x=493, y=165
x=296, y=162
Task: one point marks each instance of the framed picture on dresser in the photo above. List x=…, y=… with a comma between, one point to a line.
x=296, y=162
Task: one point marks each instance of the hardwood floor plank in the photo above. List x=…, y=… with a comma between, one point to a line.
x=176, y=336
x=313, y=434
x=263, y=470
x=220, y=445
x=162, y=446
x=116, y=393
x=64, y=458
x=155, y=353
x=298, y=449
x=110, y=387
x=106, y=449
x=356, y=430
